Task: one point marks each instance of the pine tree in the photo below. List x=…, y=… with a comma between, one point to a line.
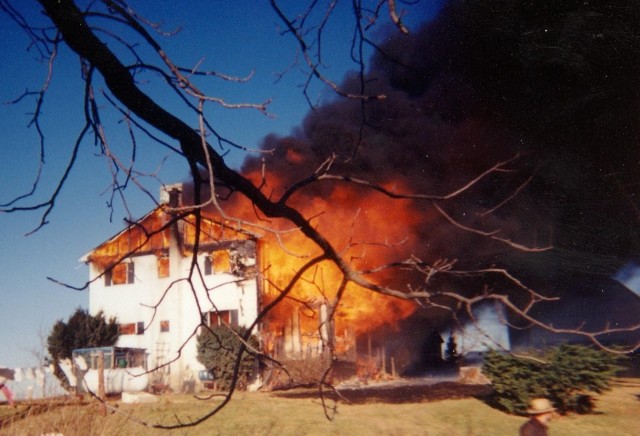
x=81, y=330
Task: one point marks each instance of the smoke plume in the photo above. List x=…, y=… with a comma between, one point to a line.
x=555, y=84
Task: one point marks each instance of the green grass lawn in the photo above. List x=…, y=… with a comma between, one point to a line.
x=617, y=413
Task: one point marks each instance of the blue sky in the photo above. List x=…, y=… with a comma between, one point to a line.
x=233, y=37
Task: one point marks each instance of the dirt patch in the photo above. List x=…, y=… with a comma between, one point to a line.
x=394, y=394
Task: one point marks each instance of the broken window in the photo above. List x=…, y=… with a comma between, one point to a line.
x=163, y=266
x=237, y=257
x=221, y=261
x=120, y=274
x=217, y=262
x=243, y=258
x=223, y=317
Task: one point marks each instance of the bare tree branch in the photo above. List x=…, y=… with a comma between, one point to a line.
x=278, y=218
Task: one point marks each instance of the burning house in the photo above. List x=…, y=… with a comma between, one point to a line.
x=435, y=138
x=138, y=277
x=445, y=120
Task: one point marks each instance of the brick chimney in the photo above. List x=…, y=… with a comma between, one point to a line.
x=171, y=195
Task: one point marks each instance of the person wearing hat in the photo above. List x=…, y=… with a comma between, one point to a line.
x=541, y=411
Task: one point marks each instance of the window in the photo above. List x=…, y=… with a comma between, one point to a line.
x=131, y=328
x=222, y=317
x=218, y=262
x=164, y=326
x=208, y=268
x=127, y=329
x=163, y=266
x=120, y=274
x=221, y=261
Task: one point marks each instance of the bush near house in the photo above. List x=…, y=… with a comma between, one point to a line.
x=218, y=349
x=566, y=375
x=82, y=330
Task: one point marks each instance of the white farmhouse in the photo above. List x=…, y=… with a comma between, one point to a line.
x=138, y=276
x=148, y=278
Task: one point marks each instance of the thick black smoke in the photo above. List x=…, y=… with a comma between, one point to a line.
x=560, y=77
x=556, y=82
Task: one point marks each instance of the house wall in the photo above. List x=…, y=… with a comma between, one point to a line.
x=488, y=331
x=177, y=303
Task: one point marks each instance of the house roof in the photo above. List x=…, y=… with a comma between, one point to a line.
x=629, y=276
x=151, y=233
x=86, y=257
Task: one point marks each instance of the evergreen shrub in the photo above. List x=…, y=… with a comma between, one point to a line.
x=218, y=349
x=567, y=375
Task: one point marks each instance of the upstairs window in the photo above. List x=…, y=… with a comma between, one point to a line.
x=238, y=259
x=120, y=274
x=217, y=262
x=208, y=267
x=163, y=266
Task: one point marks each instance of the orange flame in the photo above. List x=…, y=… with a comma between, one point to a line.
x=369, y=230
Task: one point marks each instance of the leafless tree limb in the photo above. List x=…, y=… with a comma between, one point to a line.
x=210, y=171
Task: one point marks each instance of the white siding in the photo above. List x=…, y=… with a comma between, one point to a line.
x=133, y=303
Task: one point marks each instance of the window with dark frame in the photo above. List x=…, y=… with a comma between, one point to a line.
x=131, y=328
x=120, y=274
x=223, y=317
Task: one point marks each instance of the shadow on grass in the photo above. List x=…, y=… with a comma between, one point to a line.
x=28, y=409
x=396, y=394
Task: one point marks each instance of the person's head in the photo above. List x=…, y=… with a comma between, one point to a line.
x=541, y=409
